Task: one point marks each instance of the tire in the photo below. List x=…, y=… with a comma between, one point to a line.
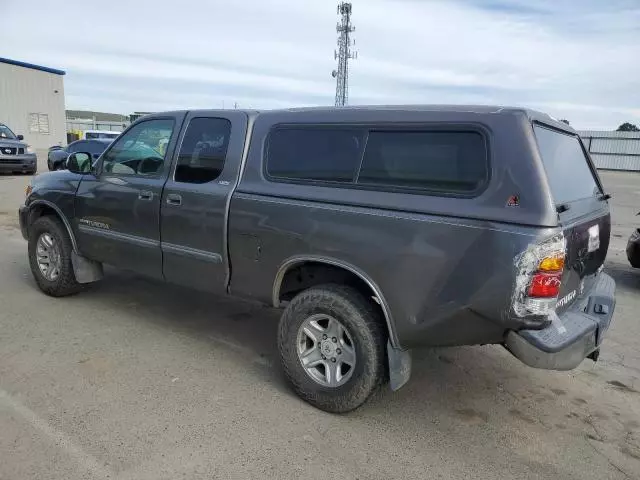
x=367, y=333
x=64, y=283
x=49, y=165
x=633, y=249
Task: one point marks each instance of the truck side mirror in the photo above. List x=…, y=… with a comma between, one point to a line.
x=20, y=137
x=79, y=162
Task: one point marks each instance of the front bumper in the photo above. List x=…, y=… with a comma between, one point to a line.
x=11, y=163
x=23, y=217
x=573, y=336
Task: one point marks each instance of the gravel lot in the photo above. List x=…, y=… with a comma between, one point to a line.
x=138, y=380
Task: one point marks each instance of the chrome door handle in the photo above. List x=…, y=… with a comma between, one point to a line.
x=174, y=199
x=145, y=195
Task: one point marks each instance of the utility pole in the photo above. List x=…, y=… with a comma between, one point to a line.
x=344, y=53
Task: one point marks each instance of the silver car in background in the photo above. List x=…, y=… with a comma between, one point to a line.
x=15, y=154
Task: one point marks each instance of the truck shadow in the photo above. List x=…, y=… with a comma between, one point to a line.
x=452, y=378
x=478, y=388
x=245, y=327
x=251, y=330
x=461, y=396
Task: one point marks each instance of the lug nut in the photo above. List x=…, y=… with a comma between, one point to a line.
x=333, y=360
x=323, y=357
x=324, y=337
x=338, y=351
x=334, y=339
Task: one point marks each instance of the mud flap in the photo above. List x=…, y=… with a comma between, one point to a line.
x=85, y=270
x=399, y=366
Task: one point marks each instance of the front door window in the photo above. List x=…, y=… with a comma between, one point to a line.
x=141, y=151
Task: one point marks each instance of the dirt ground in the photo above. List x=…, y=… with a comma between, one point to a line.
x=134, y=379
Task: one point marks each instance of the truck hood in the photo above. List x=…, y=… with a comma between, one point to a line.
x=55, y=177
x=45, y=185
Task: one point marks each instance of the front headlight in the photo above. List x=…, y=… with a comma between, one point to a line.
x=28, y=190
x=30, y=149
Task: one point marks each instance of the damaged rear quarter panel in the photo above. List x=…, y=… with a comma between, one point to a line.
x=444, y=265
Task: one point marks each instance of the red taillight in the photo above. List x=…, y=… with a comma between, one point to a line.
x=545, y=285
x=539, y=277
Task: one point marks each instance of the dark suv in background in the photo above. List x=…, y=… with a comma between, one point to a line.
x=57, y=156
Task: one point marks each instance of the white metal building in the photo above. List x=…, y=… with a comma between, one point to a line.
x=613, y=150
x=32, y=102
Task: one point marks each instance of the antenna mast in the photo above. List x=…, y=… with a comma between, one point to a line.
x=344, y=53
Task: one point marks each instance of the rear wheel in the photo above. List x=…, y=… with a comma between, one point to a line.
x=332, y=345
x=50, y=252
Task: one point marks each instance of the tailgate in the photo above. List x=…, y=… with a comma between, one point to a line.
x=583, y=211
x=587, y=243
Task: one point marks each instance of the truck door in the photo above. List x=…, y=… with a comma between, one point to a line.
x=195, y=199
x=117, y=208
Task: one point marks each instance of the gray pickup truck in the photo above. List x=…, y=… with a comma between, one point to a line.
x=378, y=230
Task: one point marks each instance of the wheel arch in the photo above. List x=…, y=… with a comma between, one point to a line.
x=295, y=262
x=40, y=207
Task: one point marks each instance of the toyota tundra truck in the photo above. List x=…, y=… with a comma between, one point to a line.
x=377, y=230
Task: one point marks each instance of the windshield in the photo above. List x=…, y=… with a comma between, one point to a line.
x=568, y=170
x=5, y=132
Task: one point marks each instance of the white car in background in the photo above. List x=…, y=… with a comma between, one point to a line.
x=99, y=134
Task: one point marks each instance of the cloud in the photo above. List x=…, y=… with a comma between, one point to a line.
x=573, y=62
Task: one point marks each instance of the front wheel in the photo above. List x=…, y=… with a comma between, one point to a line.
x=332, y=346
x=50, y=252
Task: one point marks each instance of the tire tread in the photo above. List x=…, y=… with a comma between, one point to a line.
x=66, y=283
x=332, y=297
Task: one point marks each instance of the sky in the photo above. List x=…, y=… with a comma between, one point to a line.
x=577, y=60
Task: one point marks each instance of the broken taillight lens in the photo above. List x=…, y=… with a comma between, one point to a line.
x=545, y=285
x=552, y=264
x=539, y=277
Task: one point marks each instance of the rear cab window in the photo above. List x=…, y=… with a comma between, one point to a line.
x=435, y=161
x=317, y=153
x=416, y=160
x=568, y=170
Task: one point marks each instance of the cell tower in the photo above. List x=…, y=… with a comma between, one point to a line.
x=344, y=53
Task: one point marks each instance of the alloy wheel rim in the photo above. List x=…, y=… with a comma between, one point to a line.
x=326, y=350
x=48, y=256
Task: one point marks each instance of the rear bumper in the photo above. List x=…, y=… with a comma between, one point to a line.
x=11, y=163
x=23, y=215
x=573, y=336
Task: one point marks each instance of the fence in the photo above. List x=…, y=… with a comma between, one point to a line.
x=613, y=150
x=75, y=126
